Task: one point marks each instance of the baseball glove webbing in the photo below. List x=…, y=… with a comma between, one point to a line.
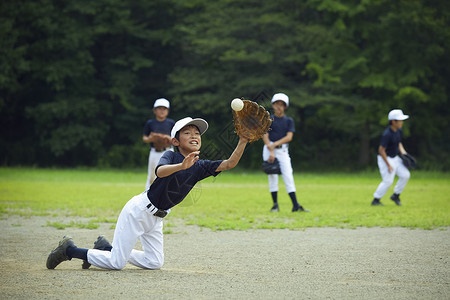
x=252, y=122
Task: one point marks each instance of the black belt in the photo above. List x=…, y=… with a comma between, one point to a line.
x=278, y=147
x=159, y=212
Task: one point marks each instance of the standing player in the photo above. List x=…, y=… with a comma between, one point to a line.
x=142, y=217
x=389, y=163
x=157, y=134
x=276, y=145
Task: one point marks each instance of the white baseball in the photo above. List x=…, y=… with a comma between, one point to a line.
x=237, y=104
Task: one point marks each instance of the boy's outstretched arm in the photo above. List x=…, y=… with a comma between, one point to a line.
x=234, y=158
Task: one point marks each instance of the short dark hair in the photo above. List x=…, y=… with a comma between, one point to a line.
x=177, y=135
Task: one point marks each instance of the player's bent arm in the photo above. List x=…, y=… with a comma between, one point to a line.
x=154, y=137
x=382, y=152
x=167, y=170
x=286, y=139
x=269, y=146
x=234, y=158
x=150, y=138
x=266, y=139
x=146, y=138
x=401, y=148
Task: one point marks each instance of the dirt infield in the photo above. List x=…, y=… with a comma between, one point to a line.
x=315, y=263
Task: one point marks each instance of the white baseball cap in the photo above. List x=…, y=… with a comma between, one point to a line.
x=397, y=114
x=161, y=102
x=201, y=124
x=282, y=97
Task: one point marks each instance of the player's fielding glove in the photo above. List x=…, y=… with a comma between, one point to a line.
x=409, y=161
x=271, y=168
x=252, y=121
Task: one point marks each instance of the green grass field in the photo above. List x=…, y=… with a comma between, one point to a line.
x=232, y=200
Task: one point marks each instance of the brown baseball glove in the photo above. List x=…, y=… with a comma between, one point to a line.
x=252, y=121
x=160, y=141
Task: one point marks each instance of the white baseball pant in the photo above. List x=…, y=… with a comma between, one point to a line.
x=153, y=160
x=135, y=221
x=282, y=154
x=399, y=169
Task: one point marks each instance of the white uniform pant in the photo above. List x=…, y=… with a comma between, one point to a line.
x=399, y=169
x=153, y=160
x=135, y=221
x=282, y=154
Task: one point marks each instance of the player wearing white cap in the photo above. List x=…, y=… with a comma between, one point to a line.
x=389, y=163
x=157, y=134
x=142, y=216
x=276, y=145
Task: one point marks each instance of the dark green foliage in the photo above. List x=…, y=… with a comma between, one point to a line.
x=78, y=79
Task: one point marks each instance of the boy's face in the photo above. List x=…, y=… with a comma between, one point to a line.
x=397, y=124
x=190, y=139
x=161, y=112
x=279, y=107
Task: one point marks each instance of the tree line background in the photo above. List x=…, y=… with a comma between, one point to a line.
x=78, y=78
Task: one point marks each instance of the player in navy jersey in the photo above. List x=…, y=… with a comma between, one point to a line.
x=389, y=163
x=142, y=216
x=157, y=134
x=276, y=145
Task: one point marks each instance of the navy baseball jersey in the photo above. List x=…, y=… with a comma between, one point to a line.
x=164, y=127
x=166, y=192
x=390, y=140
x=280, y=127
